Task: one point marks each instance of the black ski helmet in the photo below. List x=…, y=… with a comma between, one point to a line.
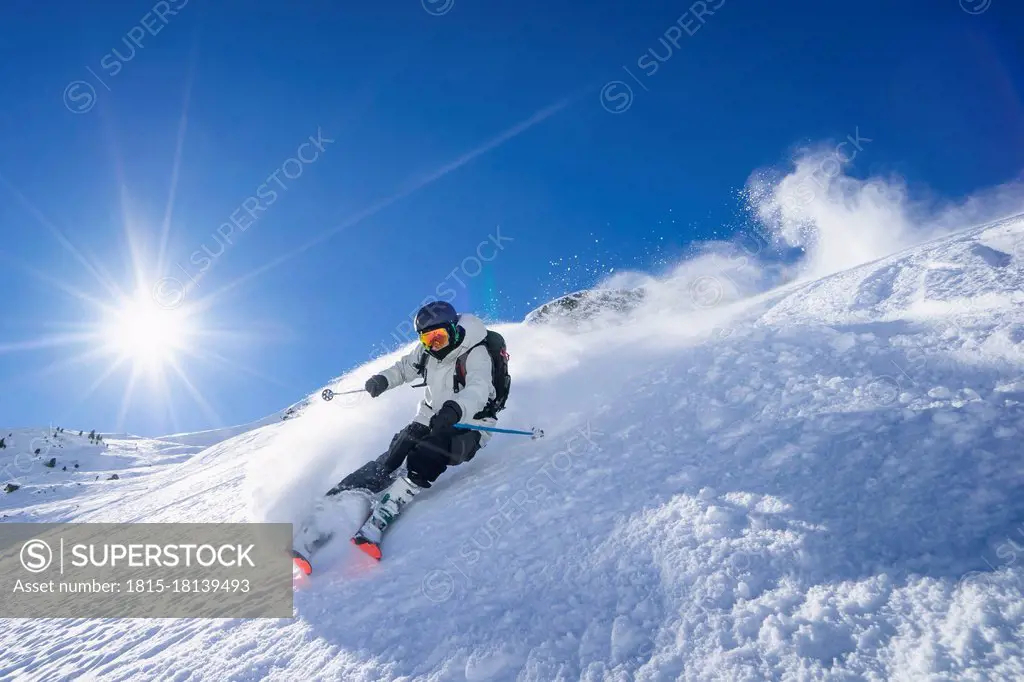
x=436, y=314
x=440, y=314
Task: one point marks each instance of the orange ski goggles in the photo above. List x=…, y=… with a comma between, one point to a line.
x=435, y=339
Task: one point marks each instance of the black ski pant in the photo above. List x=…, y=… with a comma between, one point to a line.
x=427, y=454
x=437, y=450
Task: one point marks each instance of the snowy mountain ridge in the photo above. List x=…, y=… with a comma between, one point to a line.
x=590, y=306
x=821, y=481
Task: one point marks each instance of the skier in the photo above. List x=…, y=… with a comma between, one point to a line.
x=457, y=359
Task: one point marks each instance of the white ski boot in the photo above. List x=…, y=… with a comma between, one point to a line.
x=387, y=509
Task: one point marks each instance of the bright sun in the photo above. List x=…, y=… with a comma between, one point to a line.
x=146, y=334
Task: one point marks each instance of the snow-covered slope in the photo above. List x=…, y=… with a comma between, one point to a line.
x=818, y=482
x=49, y=474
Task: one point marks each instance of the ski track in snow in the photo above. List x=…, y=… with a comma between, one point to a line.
x=825, y=486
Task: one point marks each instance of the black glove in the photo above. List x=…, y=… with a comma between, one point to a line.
x=447, y=417
x=376, y=385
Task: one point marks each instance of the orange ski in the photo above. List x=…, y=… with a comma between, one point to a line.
x=369, y=547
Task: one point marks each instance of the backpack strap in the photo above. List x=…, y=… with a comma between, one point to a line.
x=460, y=368
x=491, y=409
x=421, y=369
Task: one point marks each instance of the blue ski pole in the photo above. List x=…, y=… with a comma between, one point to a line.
x=534, y=433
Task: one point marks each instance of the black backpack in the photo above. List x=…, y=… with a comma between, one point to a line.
x=498, y=350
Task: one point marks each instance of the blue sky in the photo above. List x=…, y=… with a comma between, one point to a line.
x=432, y=124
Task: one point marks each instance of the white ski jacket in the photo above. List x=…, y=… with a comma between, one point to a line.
x=440, y=386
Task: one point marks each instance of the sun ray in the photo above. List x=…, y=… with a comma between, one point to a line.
x=173, y=412
x=52, y=341
x=92, y=388
x=59, y=365
x=165, y=229
x=126, y=398
x=68, y=362
x=39, y=375
x=106, y=283
x=207, y=409
x=208, y=355
x=135, y=250
x=230, y=336
x=43, y=277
